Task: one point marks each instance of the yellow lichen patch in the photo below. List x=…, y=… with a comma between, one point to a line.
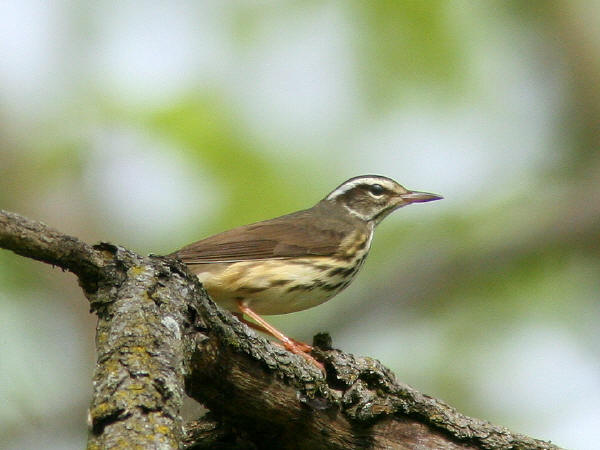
x=103, y=410
x=101, y=337
x=125, y=443
x=138, y=350
x=136, y=271
x=162, y=429
x=112, y=366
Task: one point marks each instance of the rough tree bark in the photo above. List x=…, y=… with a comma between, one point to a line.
x=159, y=336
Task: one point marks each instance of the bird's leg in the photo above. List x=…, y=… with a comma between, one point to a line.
x=302, y=346
x=289, y=344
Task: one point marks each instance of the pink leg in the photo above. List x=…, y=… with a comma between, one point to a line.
x=292, y=345
x=299, y=345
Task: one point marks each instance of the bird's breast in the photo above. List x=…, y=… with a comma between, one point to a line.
x=355, y=245
x=279, y=286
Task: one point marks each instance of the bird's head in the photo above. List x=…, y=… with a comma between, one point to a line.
x=373, y=197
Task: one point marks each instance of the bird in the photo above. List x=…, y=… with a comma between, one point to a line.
x=298, y=260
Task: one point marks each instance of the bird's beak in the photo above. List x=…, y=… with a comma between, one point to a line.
x=419, y=197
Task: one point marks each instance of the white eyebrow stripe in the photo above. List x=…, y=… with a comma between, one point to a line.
x=351, y=184
x=357, y=182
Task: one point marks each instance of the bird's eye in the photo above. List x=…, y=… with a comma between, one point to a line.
x=376, y=190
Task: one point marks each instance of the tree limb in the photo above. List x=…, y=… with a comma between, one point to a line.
x=36, y=240
x=159, y=333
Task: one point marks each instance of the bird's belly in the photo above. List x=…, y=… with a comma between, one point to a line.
x=277, y=286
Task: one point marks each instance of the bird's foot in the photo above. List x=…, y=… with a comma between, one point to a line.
x=302, y=349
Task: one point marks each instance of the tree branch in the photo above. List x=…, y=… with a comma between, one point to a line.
x=141, y=307
x=158, y=332
x=278, y=399
x=36, y=240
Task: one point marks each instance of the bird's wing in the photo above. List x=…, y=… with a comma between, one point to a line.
x=294, y=235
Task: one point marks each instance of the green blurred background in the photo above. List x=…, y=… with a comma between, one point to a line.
x=154, y=124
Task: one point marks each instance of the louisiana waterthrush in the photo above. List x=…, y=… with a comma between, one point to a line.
x=299, y=260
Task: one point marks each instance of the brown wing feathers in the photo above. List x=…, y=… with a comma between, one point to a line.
x=289, y=236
